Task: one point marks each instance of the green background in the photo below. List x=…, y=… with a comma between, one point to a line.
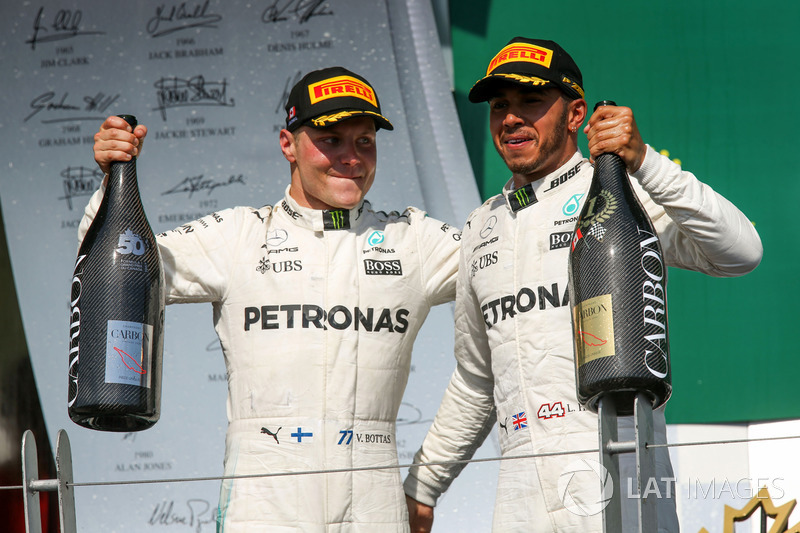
x=715, y=84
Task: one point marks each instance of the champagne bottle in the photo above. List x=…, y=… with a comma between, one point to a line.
x=117, y=313
x=618, y=291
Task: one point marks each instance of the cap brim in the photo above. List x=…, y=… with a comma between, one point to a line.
x=323, y=121
x=485, y=88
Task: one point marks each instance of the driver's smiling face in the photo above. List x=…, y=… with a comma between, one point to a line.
x=529, y=130
x=334, y=167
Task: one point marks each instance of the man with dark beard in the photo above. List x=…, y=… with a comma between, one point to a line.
x=513, y=346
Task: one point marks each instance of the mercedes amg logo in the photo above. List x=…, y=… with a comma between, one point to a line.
x=488, y=227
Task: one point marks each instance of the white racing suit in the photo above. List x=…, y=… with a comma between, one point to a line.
x=317, y=312
x=514, y=346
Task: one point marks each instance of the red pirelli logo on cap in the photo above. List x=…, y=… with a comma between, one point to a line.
x=341, y=86
x=521, y=52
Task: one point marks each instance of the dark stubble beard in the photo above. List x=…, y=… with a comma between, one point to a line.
x=547, y=147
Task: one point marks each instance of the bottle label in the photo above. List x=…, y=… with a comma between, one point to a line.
x=128, y=353
x=130, y=252
x=600, y=208
x=594, y=331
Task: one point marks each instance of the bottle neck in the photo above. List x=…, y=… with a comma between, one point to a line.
x=123, y=187
x=610, y=171
x=122, y=177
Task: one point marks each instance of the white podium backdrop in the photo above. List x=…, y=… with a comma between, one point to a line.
x=209, y=79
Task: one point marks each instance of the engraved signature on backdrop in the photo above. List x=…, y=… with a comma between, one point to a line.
x=287, y=88
x=201, y=183
x=181, y=16
x=194, y=513
x=196, y=91
x=79, y=181
x=64, y=108
x=301, y=10
x=64, y=25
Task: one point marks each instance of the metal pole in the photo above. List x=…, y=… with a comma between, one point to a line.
x=645, y=464
x=66, y=493
x=30, y=476
x=62, y=484
x=611, y=447
x=607, y=421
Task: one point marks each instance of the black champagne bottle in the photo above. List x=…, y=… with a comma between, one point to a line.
x=618, y=292
x=117, y=313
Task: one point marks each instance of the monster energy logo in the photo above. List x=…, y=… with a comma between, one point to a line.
x=339, y=219
x=522, y=197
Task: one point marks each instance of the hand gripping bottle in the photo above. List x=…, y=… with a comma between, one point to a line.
x=618, y=292
x=117, y=313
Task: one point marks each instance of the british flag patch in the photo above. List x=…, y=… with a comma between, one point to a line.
x=519, y=420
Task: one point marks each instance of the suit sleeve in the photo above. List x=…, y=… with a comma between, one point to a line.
x=700, y=229
x=196, y=256
x=466, y=414
x=438, y=244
